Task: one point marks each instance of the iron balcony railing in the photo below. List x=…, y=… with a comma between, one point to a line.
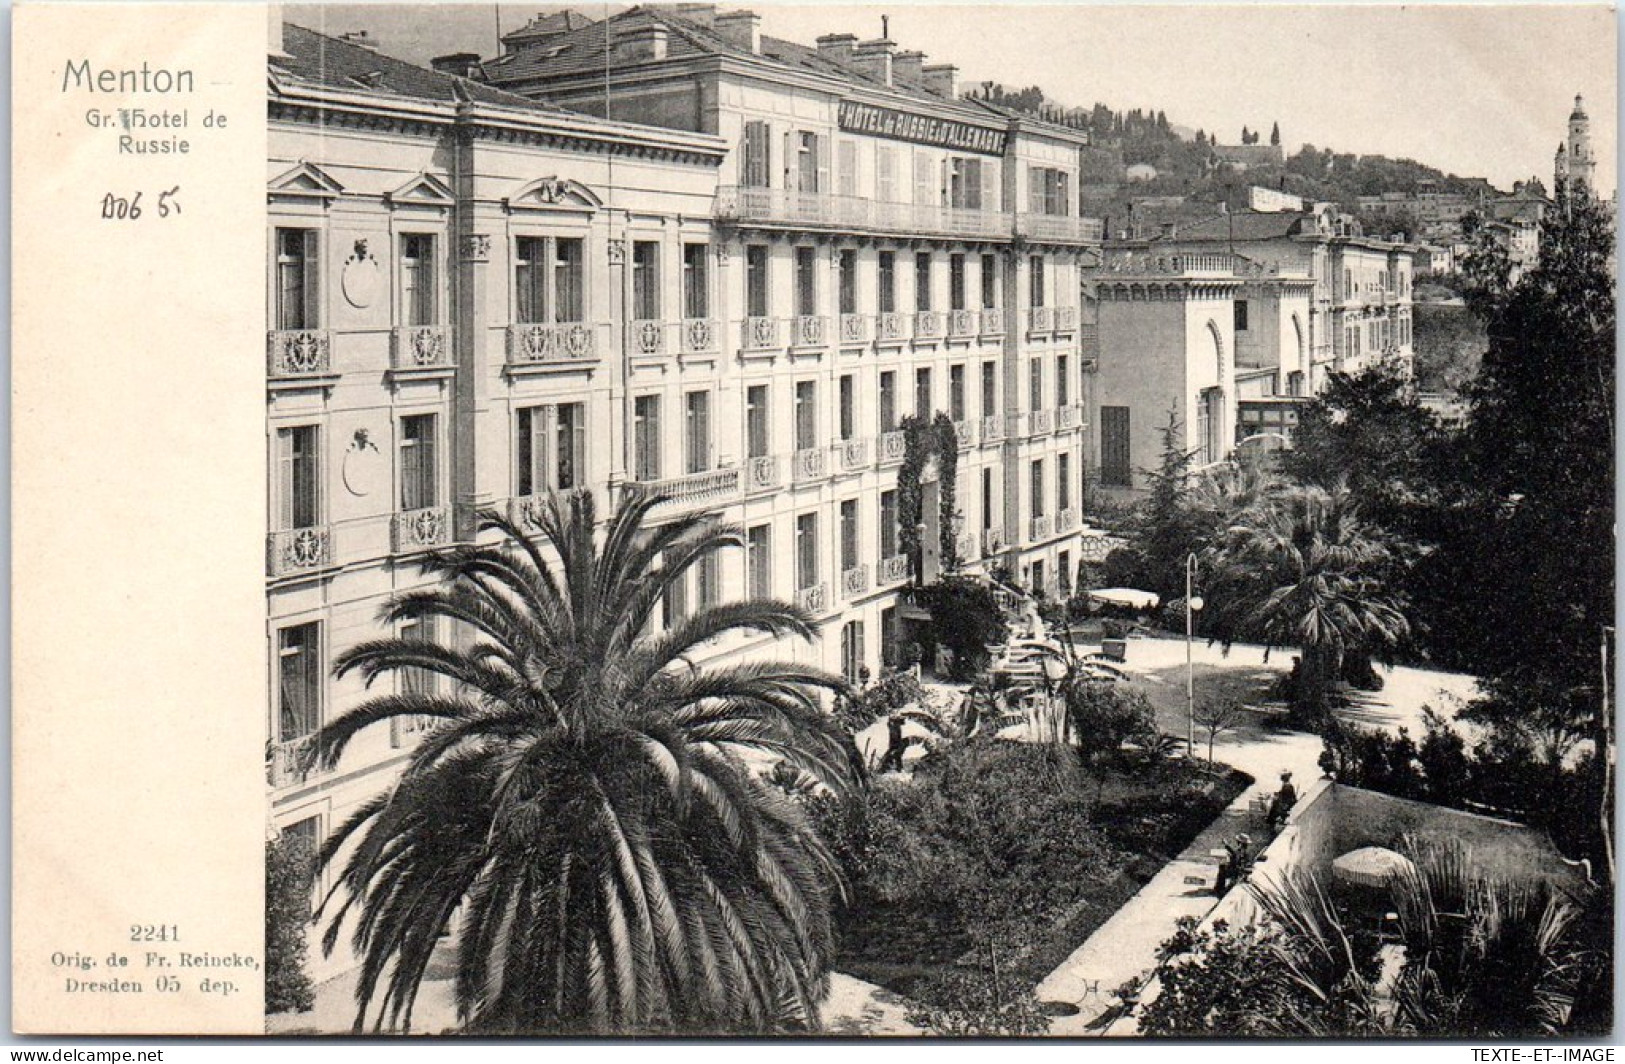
x=419, y=347
x=298, y=550
x=814, y=600
x=894, y=569
x=420, y=529
x=298, y=353
x=559, y=342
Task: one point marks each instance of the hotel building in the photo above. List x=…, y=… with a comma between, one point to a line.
x=476, y=297
x=884, y=248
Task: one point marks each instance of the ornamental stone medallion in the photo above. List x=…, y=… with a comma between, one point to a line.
x=360, y=277
x=363, y=465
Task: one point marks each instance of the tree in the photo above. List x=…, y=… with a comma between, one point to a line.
x=1275, y=134
x=965, y=618
x=1302, y=569
x=1485, y=957
x=1219, y=716
x=581, y=798
x=1541, y=444
x=1166, y=531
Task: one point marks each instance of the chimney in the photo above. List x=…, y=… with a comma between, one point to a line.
x=837, y=47
x=641, y=44
x=742, y=29
x=908, y=66
x=703, y=14
x=458, y=64
x=874, y=59
x=360, y=38
x=942, y=79
x=273, y=36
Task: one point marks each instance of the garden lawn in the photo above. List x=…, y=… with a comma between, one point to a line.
x=1003, y=855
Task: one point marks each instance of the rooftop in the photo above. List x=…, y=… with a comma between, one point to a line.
x=316, y=59
x=582, y=51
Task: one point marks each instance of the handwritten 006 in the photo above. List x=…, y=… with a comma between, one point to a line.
x=128, y=209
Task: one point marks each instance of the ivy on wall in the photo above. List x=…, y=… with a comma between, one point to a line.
x=923, y=440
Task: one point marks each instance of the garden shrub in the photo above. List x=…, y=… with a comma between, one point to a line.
x=289, y=872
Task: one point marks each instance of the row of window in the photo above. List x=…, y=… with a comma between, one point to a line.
x=758, y=292
x=549, y=280
x=815, y=163
x=551, y=440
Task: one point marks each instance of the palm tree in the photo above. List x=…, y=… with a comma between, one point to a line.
x=1300, y=568
x=1484, y=955
x=584, y=800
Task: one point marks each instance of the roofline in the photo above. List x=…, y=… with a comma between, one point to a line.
x=771, y=69
x=557, y=123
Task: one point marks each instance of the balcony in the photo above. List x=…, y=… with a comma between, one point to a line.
x=894, y=569
x=526, y=511
x=298, y=353
x=965, y=546
x=413, y=530
x=564, y=342
x=1040, y=422
x=1067, y=520
x=853, y=455
x=759, y=334
x=854, y=581
x=704, y=486
x=891, y=327
x=892, y=445
x=419, y=347
x=1040, y=528
x=809, y=463
x=807, y=330
x=761, y=473
x=289, y=762
x=1059, y=228
x=854, y=328
x=821, y=210
x=298, y=550
x=1069, y=416
x=814, y=600
x=927, y=325
x=1040, y=320
x=1066, y=319
x=699, y=336
x=992, y=321
x=648, y=337
x=962, y=324
x=992, y=540
x=992, y=428
x=965, y=434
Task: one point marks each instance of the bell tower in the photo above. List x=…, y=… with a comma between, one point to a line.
x=1582, y=165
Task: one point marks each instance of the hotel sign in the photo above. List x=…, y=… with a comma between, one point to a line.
x=922, y=129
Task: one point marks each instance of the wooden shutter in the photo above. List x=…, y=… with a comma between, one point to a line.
x=990, y=186
x=791, y=182
x=313, y=291
x=1114, y=445
x=923, y=179
x=821, y=143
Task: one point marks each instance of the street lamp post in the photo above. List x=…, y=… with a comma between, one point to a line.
x=1193, y=605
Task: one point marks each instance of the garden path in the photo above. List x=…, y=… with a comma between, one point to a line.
x=1125, y=946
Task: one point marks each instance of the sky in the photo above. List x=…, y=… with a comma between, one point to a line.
x=1473, y=89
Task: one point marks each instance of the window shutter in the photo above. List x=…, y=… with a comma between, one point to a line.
x=313, y=291
x=284, y=478
x=922, y=179
x=790, y=182
x=944, y=185
x=824, y=185
x=990, y=187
